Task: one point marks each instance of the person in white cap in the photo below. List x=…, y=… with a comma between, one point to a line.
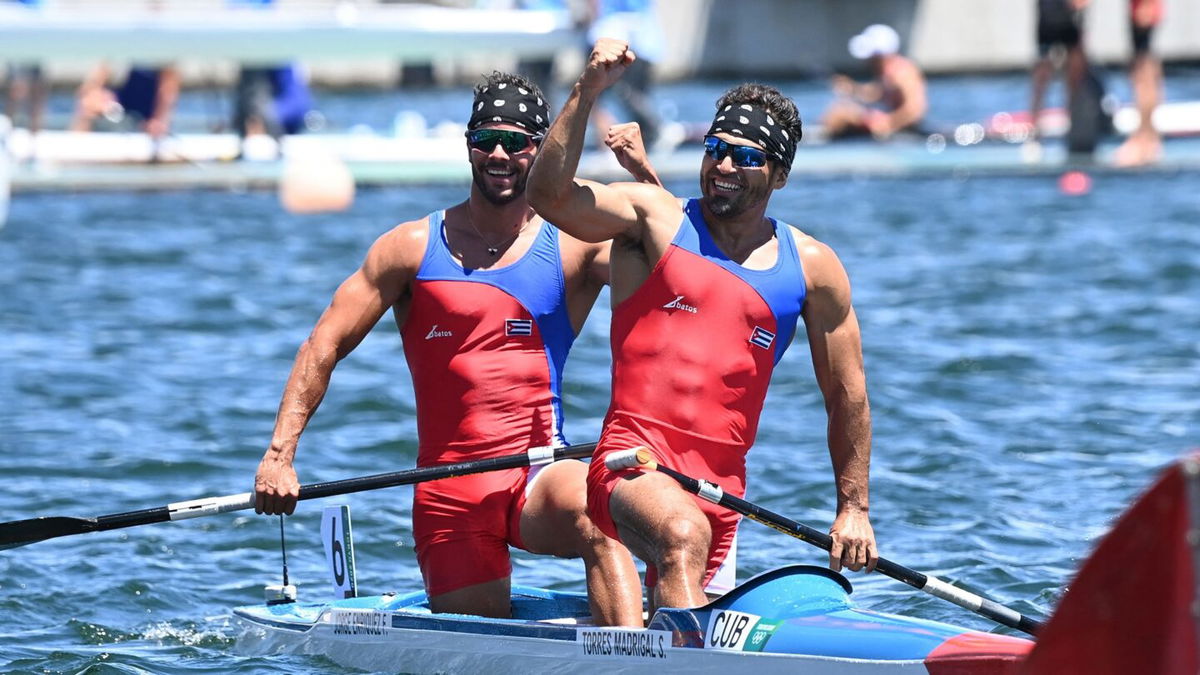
x=893, y=101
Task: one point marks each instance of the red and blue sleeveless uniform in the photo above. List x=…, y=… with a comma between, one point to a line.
x=693, y=352
x=486, y=349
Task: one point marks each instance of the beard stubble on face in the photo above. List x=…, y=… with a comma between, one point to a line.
x=479, y=176
x=727, y=206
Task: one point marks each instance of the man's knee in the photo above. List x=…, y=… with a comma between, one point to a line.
x=683, y=542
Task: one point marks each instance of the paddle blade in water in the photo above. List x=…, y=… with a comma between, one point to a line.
x=23, y=532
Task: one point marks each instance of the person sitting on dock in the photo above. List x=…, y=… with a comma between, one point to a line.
x=488, y=298
x=895, y=100
x=706, y=294
x=144, y=102
x=271, y=101
x=27, y=88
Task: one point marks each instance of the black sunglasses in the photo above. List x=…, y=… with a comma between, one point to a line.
x=743, y=155
x=486, y=140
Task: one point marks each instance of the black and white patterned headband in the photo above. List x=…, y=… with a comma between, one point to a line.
x=511, y=104
x=755, y=124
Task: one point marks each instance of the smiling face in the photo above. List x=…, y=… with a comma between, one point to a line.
x=729, y=190
x=500, y=176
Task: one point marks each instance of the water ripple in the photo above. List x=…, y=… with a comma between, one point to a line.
x=1032, y=362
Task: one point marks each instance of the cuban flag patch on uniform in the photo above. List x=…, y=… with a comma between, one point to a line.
x=762, y=337
x=518, y=327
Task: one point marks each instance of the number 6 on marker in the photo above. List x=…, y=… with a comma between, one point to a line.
x=339, y=550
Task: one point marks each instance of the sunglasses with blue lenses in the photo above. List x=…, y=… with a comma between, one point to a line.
x=486, y=140
x=743, y=155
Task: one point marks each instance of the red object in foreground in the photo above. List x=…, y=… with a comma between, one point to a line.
x=976, y=653
x=1130, y=608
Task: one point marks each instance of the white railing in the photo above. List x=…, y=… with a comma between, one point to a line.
x=310, y=31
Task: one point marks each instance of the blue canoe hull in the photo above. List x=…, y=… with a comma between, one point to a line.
x=792, y=619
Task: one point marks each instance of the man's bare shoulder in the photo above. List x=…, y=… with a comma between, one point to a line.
x=809, y=247
x=399, y=250
x=656, y=207
x=822, y=268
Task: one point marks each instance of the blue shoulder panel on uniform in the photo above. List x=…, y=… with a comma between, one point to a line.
x=781, y=286
x=536, y=281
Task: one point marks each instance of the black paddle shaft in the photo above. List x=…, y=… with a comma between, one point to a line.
x=923, y=582
x=428, y=473
x=23, y=532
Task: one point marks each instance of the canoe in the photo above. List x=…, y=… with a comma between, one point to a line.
x=792, y=619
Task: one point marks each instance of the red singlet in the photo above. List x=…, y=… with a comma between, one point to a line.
x=486, y=350
x=693, y=351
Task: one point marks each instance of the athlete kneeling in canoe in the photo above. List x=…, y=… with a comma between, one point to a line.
x=488, y=298
x=706, y=294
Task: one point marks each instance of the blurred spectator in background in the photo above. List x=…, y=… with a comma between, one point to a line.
x=1059, y=40
x=269, y=100
x=26, y=87
x=1144, y=146
x=895, y=100
x=635, y=22
x=145, y=101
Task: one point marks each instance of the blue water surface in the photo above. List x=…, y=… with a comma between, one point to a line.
x=1032, y=361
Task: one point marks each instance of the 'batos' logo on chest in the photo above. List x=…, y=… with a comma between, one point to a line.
x=678, y=303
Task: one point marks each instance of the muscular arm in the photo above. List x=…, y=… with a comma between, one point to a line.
x=356, y=307
x=836, y=345
x=625, y=141
x=584, y=209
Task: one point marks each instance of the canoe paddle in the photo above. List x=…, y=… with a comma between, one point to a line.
x=641, y=458
x=23, y=532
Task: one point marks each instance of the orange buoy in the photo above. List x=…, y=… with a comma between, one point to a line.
x=1075, y=183
x=316, y=183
